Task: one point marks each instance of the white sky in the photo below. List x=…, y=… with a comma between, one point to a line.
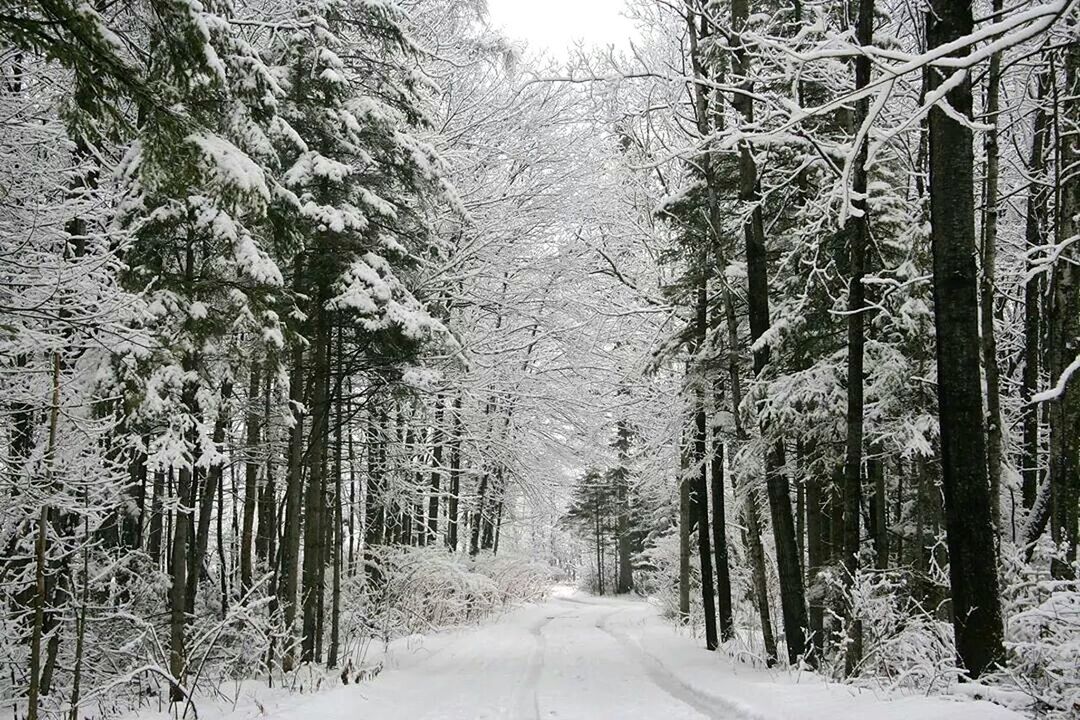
x=556, y=24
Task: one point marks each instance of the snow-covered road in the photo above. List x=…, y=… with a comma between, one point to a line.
x=577, y=657
x=563, y=659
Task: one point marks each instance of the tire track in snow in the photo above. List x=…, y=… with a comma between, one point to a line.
x=527, y=700
x=710, y=706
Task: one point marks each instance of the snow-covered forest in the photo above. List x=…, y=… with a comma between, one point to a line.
x=328, y=324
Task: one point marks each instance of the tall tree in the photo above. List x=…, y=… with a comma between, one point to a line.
x=792, y=598
x=859, y=240
x=976, y=603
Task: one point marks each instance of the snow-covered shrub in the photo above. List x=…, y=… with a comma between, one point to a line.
x=905, y=643
x=1042, y=637
x=656, y=572
x=423, y=589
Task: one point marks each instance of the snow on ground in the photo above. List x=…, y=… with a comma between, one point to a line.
x=578, y=657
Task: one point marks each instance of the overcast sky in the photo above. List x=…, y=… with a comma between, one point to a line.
x=555, y=24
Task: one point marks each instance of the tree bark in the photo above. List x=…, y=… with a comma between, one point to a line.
x=315, y=496
x=749, y=503
x=965, y=483
x=816, y=559
x=197, y=557
x=251, y=476
x=699, y=497
x=875, y=471
x=179, y=564
x=153, y=540
x=1064, y=325
x=1035, y=236
x=700, y=514
x=859, y=239
x=719, y=529
x=338, y=532
x=436, y=466
x=792, y=599
x=267, y=526
x=452, y=500
x=289, y=570
x=684, y=544
x=994, y=454
x=621, y=478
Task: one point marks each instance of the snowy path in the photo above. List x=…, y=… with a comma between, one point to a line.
x=563, y=659
x=582, y=658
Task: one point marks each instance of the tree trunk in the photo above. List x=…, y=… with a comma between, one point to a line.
x=719, y=529
x=251, y=477
x=787, y=555
x=969, y=523
x=1064, y=325
x=455, y=479
x=197, y=558
x=39, y=613
x=374, y=491
x=338, y=531
x=859, y=238
x=879, y=516
x=436, y=465
x=266, y=527
x=699, y=497
x=700, y=515
x=223, y=566
x=994, y=455
x=684, y=546
x=1035, y=236
x=478, y=515
x=816, y=559
x=178, y=589
x=621, y=478
x=749, y=503
x=289, y=570
x=599, y=542
x=315, y=497
x=153, y=541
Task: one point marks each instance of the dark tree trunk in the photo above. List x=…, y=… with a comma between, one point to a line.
x=685, y=519
x=598, y=540
x=1064, y=327
x=719, y=529
x=972, y=554
x=197, y=558
x=455, y=479
x=856, y=330
x=436, y=466
x=750, y=501
x=816, y=558
x=153, y=540
x=478, y=515
x=374, y=490
x=267, y=527
x=1035, y=235
x=879, y=516
x=989, y=255
x=315, y=497
x=251, y=476
x=353, y=540
x=338, y=532
x=178, y=569
x=289, y=570
x=700, y=514
x=699, y=497
x=223, y=565
x=621, y=478
x=787, y=553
